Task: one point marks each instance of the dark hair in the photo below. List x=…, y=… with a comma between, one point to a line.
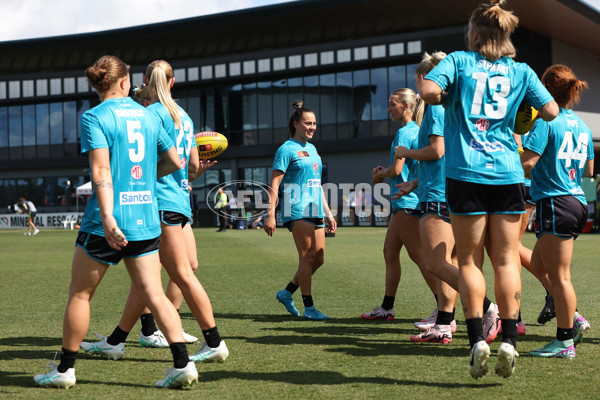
x=563, y=85
x=105, y=72
x=297, y=115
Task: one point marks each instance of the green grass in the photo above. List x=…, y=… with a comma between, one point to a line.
x=274, y=355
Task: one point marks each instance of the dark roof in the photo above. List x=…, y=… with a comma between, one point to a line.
x=299, y=23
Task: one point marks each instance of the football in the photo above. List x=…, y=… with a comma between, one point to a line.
x=526, y=116
x=210, y=144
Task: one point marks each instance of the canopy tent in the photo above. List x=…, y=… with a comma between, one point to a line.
x=83, y=190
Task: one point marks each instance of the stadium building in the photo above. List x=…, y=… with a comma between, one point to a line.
x=239, y=72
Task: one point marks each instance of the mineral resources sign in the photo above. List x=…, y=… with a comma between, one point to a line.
x=42, y=221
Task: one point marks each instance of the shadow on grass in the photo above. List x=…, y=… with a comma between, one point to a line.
x=327, y=378
x=17, y=379
x=30, y=341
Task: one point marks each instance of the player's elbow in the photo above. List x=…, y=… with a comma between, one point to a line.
x=549, y=111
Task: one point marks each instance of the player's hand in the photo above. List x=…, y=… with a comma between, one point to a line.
x=204, y=165
x=113, y=235
x=378, y=174
x=400, y=152
x=404, y=188
x=331, y=224
x=270, y=225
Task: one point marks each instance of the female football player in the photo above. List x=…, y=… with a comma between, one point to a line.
x=481, y=90
x=297, y=170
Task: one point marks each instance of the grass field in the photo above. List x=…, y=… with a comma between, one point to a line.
x=274, y=355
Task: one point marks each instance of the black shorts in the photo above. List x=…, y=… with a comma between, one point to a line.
x=97, y=248
x=528, y=198
x=563, y=216
x=317, y=222
x=410, y=211
x=32, y=214
x=467, y=198
x=435, y=207
x=173, y=218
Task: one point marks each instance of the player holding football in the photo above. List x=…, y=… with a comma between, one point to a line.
x=297, y=170
x=481, y=90
x=121, y=218
x=178, y=245
x=557, y=154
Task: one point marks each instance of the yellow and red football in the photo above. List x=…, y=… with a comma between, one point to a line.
x=526, y=116
x=210, y=144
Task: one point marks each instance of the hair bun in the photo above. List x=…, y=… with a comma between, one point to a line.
x=498, y=3
x=298, y=104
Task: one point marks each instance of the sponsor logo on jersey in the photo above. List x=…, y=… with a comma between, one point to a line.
x=316, y=166
x=482, y=124
x=130, y=113
x=183, y=162
x=572, y=174
x=303, y=154
x=131, y=198
x=313, y=183
x=489, y=147
x=184, y=184
x=137, y=172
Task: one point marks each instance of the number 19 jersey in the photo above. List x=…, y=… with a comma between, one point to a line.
x=483, y=97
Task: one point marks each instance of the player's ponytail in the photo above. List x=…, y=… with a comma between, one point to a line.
x=297, y=115
x=416, y=104
x=563, y=85
x=493, y=25
x=159, y=73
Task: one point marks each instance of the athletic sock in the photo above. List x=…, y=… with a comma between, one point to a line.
x=148, y=325
x=67, y=360
x=509, y=331
x=307, y=300
x=211, y=337
x=118, y=336
x=388, y=302
x=474, y=330
x=444, y=318
x=519, y=319
x=486, y=304
x=291, y=287
x=564, y=334
x=436, y=298
x=180, y=355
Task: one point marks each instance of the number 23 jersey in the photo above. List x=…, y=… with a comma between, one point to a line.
x=483, y=97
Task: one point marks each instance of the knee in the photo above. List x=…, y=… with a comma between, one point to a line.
x=319, y=259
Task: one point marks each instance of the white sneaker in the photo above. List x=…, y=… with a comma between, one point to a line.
x=433, y=315
x=427, y=325
x=36, y=232
x=27, y=234
x=505, y=366
x=178, y=377
x=157, y=339
x=63, y=380
x=491, y=318
x=209, y=354
x=103, y=348
x=479, y=355
x=189, y=338
x=379, y=313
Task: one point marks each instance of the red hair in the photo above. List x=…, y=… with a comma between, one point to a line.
x=563, y=85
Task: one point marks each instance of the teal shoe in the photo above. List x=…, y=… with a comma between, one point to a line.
x=285, y=298
x=556, y=349
x=314, y=314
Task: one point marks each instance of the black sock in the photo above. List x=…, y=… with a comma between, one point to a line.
x=564, y=334
x=436, y=298
x=474, y=330
x=444, y=318
x=67, y=360
x=118, y=336
x=519, y=319
x=388, y=302
x=509, y=331
x=291, y=287
x=148, y=325
x=486, y=304
x=180, y=355
x=211, y=337
x=307, y=300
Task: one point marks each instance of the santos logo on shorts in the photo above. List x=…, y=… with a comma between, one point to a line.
x=131, y=198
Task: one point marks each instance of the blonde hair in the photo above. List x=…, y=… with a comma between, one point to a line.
x=563, y=85
x=429, y=62
x=414, y=101
x=494, y=25
x=159, y=73
x=105, y=72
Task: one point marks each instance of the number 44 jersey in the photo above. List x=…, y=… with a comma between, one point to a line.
x=483, y=98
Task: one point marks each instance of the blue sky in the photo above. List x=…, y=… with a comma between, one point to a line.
x=26, y=19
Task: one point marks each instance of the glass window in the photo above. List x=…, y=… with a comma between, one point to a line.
x=280, y=104
x=41, y=87
x=249, y=107
x=344, y=56
x=179, y=75
x=378, y=51
x=56, y=129
x=295, y=61
x=55, y=86
x=411, y=72
x=294, y=91
x=28, y=88
x=137, y=79
x=29, y=131
x=328, y=110
x=379, y=96
x=69, y=85
x=3, y=127
x=264, y=65
x=414, y=47
x=396, y=78
x=207, y=112
x=207, y=72
x=396, y=49
x=278, y=63
x=249, y=67
x=327, y=57
x=235, y=69
x=344, y=104
x=15, y=139
x=3, y=90
x=311, y=59
x=265, y=106
x=193, y=107
x=193, y=73
x=362, y=102
x=82, y=85
x=83, y=106
x=14, y=89
x=311, y=95
x=70, y=128
x=42, y=119
x=361, y=53
x=220, y=71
